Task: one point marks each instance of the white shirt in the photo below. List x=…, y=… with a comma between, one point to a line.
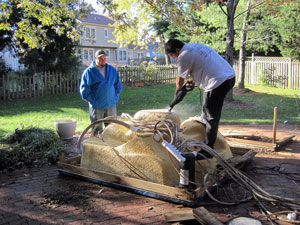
x=207, y=68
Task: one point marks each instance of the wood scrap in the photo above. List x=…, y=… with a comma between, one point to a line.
x=251, y=144
x=237, y=144
x=203, y=216
x=274, y=124
x=181, y=215
x=284, y=141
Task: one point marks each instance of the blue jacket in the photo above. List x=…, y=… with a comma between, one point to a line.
x=100, y=92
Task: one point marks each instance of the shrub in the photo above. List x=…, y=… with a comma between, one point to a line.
x=31, y=147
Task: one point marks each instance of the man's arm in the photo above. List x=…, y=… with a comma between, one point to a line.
x=118, y=84
x=85, y=89
x=179, y=83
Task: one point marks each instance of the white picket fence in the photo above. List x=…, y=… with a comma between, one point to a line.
x=42, y=84
x=271, y=71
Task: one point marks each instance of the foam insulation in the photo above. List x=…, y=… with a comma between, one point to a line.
x=120, y=151
x=115, y=134
x=157, y=114
x=140, y=158
x=195, y=129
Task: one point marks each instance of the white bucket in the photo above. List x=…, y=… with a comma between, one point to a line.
x=65, y=128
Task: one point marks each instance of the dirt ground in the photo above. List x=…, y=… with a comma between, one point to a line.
x=42, y=196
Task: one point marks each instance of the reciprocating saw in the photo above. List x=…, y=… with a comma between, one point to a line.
x=186, y=87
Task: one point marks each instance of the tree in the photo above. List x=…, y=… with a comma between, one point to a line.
x=58, y=55
x=43, y=32
x=6, y=33
x=287, y=22
x=162, y=29
x=48, y=13
x=242, y=48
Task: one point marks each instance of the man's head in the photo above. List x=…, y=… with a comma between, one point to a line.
x=173, y=47
x=100, y=58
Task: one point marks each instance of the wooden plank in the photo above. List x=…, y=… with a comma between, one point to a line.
x=180, y=215
x=204, y=217
x=73, y=160
x=238, y=151
x=3, y=86
x=30, y=86
x=240, y=161
x=242, y=136
x=18, y=88
x=250, y=144
x=284, y=141
x=164, y=190
x=34, y=85
x=274, y=124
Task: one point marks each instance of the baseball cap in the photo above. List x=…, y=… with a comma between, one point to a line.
x=99, y=53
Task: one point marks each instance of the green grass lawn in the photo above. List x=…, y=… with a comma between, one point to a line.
x=255, y=107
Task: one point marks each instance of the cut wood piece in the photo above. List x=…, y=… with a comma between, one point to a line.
x=251, y=144
x=284, y=141
x=238, y=151
x=184, y=214
x=274, y=125
x=243, y=136
x=204, y=217
x=74, y=160
x=123, y=181
x=240, y=161
x=237, y=162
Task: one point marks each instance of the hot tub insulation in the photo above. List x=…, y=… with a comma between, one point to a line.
x=121, y=151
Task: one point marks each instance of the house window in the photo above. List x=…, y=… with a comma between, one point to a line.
x=85, y=55
x=90, y=32
x=106, y=33
x=91, y=55
x=140, y=55
x=107, y=53
x=122, y=55
x=88, y=55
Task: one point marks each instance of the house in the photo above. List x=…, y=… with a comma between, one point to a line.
x=154, y=53
x=9, y=56
x=97, y=33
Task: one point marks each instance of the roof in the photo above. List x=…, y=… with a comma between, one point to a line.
x=96, y=19
x=132, y=46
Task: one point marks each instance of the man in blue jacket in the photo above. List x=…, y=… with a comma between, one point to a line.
x=100, y=86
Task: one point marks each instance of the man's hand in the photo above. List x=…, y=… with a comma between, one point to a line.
x=190, y=84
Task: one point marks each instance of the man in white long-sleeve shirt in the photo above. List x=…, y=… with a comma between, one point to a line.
x=210, y=72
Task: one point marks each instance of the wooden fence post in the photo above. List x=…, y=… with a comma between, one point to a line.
x=252, y=68
x=290, y=73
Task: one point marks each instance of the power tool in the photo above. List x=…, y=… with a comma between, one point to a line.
x=186, y=87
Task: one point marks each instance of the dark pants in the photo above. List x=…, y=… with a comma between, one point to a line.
x=212, y=109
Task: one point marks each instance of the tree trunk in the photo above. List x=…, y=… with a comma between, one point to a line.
x=242, y=59
x=231, y=7
x=167, y=58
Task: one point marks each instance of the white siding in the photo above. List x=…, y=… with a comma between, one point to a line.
x=10, y=60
